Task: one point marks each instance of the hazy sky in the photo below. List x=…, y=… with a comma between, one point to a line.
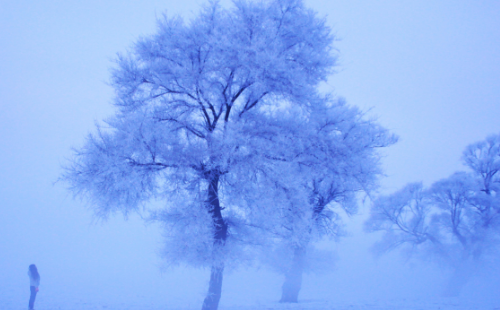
x=428, y=70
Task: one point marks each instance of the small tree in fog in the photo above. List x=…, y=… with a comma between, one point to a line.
x=194, y=123
x=456, y=219
x=342, y=161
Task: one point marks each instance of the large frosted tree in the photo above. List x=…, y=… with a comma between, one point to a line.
x=456, y=219
x=195, y=123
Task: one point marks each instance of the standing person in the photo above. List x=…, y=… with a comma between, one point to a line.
x=34, y=283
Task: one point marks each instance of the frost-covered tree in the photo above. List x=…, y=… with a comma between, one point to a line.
x=339, y=158
x=456, y=219
x=194, y=124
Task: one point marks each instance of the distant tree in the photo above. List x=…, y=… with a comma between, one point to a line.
x=339, y=158
x=457, y=219
x=195, y=125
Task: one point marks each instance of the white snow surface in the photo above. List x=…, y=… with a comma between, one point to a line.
x=243, y=290
x=67, y=302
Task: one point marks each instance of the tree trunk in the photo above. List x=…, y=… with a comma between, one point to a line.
x=457, y=281
x=293, y=278
x=211, y=301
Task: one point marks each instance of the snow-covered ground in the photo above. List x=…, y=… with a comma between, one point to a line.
x=118, y=269
x=52, y=303
x=238, y=295
x=345, y=288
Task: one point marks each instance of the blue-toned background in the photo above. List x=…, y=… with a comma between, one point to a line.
x=428, y=70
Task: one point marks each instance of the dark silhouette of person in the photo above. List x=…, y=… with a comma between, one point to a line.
x=34, y=284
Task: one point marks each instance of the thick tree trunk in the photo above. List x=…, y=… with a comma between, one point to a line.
x=293, y=278
x=211, y=301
